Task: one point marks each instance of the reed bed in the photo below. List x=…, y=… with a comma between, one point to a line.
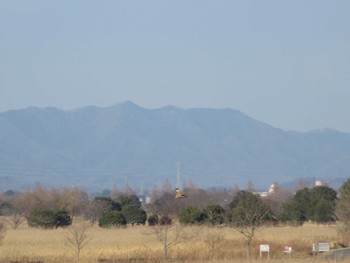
x=138, y=244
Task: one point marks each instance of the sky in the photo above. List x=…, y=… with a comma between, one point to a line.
x=285, y=63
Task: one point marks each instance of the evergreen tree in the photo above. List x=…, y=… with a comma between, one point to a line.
x=134, y=215
x=343, y=204
x=214, y=215
x=316, y=204
x=112, y=219
x=191, y=215
x=49, y=218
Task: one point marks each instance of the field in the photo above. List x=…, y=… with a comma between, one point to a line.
x=140, y=244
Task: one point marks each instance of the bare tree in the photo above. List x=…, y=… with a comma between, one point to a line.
x=115, y=192
x=11, y=209
x=235, y=189
x=128, y=190
x=214, y=241
x=29, y=201
x=169, y=235
x=166, y=187
x=166, y=204
x=74, y=200
x=77, y=238
x=277, y=196
x=2, y=232
x=16, y=219
x=163, y=232
x=247, y=214
x=26, y=202
x=97, y=207
x=301, y=184
x=250, y=186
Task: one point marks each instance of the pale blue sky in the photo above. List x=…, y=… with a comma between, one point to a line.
x=286, y=63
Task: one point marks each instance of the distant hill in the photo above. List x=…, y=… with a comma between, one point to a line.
x=97, y=148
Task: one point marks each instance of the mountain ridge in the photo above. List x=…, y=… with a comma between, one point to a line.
x=127, y=144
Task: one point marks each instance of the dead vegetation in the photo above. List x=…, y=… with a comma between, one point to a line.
x=214, y=244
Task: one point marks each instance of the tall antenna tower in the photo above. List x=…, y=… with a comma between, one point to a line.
x=178, y=180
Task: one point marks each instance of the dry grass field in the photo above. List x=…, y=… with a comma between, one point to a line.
x=139, y=244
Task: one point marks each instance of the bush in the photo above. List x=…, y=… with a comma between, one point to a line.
x=112, y=219
x=4, y=208
x=49, y=218
x=62, y=218
x=191, y=215
x=165, y=220
x=129, y=200
x=153, y=220
x=2, y=231
x=107, y=203
x=215, y=215
x=134, y=215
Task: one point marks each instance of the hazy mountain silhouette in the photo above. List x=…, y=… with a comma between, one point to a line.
x=100, y=147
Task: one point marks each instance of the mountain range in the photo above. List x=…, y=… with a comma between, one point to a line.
x=124, y=144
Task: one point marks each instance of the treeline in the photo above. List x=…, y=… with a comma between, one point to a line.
x=48, y=208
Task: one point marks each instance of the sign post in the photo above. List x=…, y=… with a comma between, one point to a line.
x=320, y=247
x=288, y=250
x=265, y=249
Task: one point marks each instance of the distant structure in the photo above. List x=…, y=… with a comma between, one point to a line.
x=265, y=194
x=319, y=183
x=145, y=199
x=272, y=189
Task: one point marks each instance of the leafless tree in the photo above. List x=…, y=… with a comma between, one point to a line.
x=235, y=189
x=166, y=187
x=213, y=240
x=95, y=209
x=16, y=219
x=169, y=235
x=247, y=215
x=77, y=238
x=277, y=198
x=26, y=202
x=248, y=223
x=74, y=200
x=2, y=231
x=301, y=184
x=128, y=190
x=14, y=216
x=154, y=194
x=250, y=186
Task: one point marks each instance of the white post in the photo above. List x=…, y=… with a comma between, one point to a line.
x=288, y=250
x=265, y=249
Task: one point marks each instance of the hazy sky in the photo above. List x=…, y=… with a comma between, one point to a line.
x=286, y=63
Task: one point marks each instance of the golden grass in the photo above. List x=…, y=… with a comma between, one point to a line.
x=129, y=244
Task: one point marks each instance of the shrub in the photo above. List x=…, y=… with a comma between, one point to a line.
x=153, y=220
x=107, y=203
x=129, y=200
x=49, y=218
x=215, y=215
x=112, y=219
x=62, y=218
x=165, y=220
x=134, y=215
x=191, y=215
x=2, y=231
x=4, y=208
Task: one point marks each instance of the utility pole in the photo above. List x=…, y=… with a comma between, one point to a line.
x=178, y=182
